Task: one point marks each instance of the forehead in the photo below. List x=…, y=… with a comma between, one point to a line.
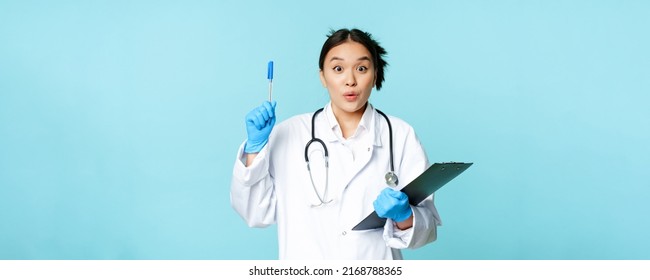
x=349, y=50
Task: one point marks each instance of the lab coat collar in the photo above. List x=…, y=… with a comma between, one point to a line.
x=369, y=122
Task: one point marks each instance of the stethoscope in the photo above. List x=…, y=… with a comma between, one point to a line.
x=391, y=177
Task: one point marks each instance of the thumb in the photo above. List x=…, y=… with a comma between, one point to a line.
x=396, y=194
x=272, y=121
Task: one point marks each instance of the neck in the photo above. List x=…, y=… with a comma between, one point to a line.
x=348, y=121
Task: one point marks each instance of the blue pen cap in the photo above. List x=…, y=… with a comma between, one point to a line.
x=269, y=73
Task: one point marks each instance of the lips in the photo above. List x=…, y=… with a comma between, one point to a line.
x=350, y=96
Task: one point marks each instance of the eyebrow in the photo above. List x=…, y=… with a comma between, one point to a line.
x=359, y=59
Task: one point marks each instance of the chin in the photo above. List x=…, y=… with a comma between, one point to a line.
x=352, y=107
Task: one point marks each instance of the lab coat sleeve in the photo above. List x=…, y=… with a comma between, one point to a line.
x=251, y=190
x=413, y=162
x=424, y=230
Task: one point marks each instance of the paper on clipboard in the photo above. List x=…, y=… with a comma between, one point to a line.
x=432, y=179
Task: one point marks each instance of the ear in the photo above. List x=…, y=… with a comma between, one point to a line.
x=322, y=78
x=374, y=80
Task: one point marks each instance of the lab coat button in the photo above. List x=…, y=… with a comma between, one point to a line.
x=344, y=233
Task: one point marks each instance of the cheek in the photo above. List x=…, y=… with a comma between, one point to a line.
x=332, y=80
x=370, y=81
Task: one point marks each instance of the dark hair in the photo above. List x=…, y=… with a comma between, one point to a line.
x=341, y=36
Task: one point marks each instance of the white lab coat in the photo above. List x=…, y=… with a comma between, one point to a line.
x=276, y=188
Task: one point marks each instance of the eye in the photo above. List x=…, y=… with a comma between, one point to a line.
x=337, y=68
x=362, y=69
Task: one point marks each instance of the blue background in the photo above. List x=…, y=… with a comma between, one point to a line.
x=119, y=121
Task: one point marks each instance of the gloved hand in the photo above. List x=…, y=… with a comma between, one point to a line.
x=259, y=123
x=393, y=204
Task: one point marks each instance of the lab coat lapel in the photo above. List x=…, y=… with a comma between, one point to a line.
x=340, y=179
x=371, y=141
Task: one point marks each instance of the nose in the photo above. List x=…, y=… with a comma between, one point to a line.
x=350, y=79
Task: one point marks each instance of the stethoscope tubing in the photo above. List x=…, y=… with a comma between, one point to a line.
x=391, y=177
x=314, y=139
x=390, y=139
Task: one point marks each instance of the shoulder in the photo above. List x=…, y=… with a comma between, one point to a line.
x=397, y=124
x=290, y=132
x=300, y=120
x=407, y=146
x=294, y=126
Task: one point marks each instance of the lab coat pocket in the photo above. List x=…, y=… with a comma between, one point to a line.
x=367, y=244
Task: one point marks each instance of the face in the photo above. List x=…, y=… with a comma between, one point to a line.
x=349, y=76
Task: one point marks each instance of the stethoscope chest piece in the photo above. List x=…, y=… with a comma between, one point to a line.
x=391, y=179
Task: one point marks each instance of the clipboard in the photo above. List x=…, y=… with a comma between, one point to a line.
x=432, y=179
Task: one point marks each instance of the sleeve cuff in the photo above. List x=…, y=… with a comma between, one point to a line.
x=397, y=238
x=252, y=174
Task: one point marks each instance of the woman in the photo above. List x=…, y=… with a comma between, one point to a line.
x=316, y=207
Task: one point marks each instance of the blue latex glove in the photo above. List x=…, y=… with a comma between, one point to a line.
x=259, y=123
x=393, y=204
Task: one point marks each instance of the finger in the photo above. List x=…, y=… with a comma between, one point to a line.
x=259, y=120
x=263, y=112
x=250, y=119
x=389, y=192
x=270, y=110
x=251, y=115
x=396, y=194
x=386, y=199
x=385, y=194
x=401, y=198
x=392, y=202
x=379, y=208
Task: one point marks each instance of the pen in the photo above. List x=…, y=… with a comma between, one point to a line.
x=269, y=75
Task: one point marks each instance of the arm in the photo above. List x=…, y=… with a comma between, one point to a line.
x=252, y=193
x=406, y=224
x=250, y=158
